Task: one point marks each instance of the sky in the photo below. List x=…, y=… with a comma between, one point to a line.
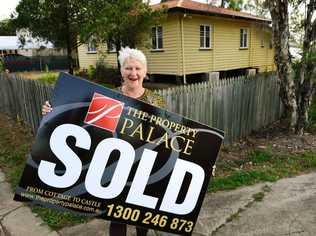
x=7, y=7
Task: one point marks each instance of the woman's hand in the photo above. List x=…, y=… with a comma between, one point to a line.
x=46, y=108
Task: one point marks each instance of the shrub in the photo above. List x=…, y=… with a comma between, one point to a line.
x=103, y=74
x=1, y=65
x=106, y=74
x=48, y=78
x=91, y=73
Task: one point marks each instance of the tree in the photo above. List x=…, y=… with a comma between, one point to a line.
x=58, y=21
x=7, y=28
x=124, y=23
x=296, y=93
x=256, y=7
x=236, y=5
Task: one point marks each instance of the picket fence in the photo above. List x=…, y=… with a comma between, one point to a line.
x=237, y=106
x=23, y=98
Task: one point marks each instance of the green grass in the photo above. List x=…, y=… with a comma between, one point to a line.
x=265, y=168
x=260, y=156
x=58, y=219
x=240, y=178
x=48, y=78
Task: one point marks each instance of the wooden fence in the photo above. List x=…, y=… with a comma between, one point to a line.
x=23, y=98
x=237, y=106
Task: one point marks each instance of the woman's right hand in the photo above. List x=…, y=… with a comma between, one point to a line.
x=46, y=108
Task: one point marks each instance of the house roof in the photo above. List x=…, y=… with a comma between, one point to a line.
x=206, y=9
x=13, y=43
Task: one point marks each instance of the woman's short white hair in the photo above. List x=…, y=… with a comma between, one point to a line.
x=128, y=52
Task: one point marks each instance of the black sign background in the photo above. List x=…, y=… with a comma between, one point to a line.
x=71, y=99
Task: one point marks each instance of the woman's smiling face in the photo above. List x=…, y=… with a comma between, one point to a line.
x=133, y=73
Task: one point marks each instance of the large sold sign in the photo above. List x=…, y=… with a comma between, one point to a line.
x=102, y=154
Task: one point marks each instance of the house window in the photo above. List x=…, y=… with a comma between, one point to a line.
x=205, y=36
x=92, y=45
x=243, y=38
x=111, y=46
x=156, y=37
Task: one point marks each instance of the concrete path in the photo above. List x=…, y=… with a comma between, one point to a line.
x=287, y=207
x=17, y=219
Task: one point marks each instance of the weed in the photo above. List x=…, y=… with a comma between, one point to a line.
x=58, y=219
x=260, y=156
x=240, y=178
x=48, y=78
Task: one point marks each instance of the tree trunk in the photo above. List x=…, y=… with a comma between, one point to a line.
x=69, y=43
x=307, y=70
x=280, y=27
x=118, y=48
x=223, y=3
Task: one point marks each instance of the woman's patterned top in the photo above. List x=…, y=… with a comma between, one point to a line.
x=150, y=97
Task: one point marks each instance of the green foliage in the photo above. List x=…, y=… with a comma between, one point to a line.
x=260, y=156
x=257, y=7
x=236, y=5
x=123, y=22
x=91, y=72
x=102, y=74
x=58, y=219
x=107, y=75
x=7, y=28
x=57, y=21
x=2, y=68
x=240, y=178
x=48, y=78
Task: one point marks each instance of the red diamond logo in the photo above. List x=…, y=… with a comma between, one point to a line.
x=104, y=112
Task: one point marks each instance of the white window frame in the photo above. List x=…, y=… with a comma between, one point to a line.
x=156, y=38
x=91, y=45
x=204, y=37
x=243, y=42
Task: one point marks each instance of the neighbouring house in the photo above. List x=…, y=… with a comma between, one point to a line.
x=11, y=45
x=33, y=55
x=199, y=40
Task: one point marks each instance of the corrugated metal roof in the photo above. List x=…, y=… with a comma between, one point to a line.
x=204, y=8
x=13, y=43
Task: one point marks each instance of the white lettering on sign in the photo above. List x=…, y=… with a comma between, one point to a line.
x=136, y=193
x=98, y=163
x=136, y=196
x=169, y=201
x=73, y=165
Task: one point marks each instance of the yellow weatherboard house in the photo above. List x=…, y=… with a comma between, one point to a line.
x=200, y=40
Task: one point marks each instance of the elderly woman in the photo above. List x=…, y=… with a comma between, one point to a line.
x=133, y=70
